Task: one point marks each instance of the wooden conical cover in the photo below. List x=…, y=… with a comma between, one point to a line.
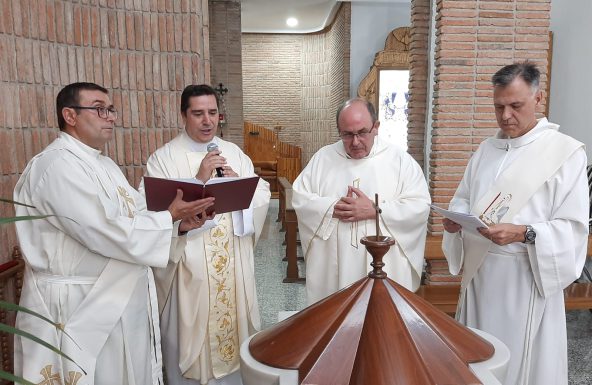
x=372, y=332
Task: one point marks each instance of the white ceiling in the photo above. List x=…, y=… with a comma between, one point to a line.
x=269, y=16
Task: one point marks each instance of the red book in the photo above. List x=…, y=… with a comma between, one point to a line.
x=231, y=193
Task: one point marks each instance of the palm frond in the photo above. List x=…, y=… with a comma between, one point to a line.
x=22, y=218
x=14, y=202
x=16, y=379
x=14, y=307
x=13, y=330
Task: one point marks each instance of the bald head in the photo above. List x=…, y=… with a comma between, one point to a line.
x=357, y=126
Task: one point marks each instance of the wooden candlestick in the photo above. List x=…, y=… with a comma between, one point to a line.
x=377, y=246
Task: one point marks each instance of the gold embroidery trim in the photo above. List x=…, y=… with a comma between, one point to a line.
x=127, y=200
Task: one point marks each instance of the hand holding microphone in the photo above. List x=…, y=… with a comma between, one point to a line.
x=219, y=170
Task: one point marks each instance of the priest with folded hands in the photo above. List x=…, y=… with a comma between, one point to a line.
x=333, y=199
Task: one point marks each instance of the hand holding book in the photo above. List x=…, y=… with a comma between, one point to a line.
x=191, y=213
x=231, y=194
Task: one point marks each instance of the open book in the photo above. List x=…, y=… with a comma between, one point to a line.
x=231, y=193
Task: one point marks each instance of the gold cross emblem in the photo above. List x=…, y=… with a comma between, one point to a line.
x=49, y=378
x=73, y=378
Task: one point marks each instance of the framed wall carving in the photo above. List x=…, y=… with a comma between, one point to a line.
x=386, y=86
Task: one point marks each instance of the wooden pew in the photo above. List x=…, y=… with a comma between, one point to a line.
x=11, y=282
x=443, y=297
x=578, y=295
x=291, y=222
x=283, y=186
x=271, y=157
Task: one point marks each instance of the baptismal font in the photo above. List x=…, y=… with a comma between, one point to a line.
x=372, y=332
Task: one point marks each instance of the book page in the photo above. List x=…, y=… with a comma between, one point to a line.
x=468, y=222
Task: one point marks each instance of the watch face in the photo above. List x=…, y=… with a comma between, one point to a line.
x=530, y=235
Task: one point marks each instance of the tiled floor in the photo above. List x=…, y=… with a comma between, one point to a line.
x=275, y=296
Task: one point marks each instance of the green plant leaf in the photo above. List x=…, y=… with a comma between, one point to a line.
x=23, y=218
x=14, y=202
x=13, y=330
x=16, y=379
x=14, y=307
x=6, y=220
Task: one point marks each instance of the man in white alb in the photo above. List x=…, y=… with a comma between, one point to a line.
x=87, y=263
x=207, y=298
x=334, y=201
x=515, y=271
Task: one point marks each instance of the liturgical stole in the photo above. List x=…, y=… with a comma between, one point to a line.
x=514, y=188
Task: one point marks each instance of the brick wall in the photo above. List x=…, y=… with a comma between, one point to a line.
x=297, y=81
x=418, y=78
x=325, y=83
x=226, y=63
x=272, y=81
x=474, y=39
x=144, y=52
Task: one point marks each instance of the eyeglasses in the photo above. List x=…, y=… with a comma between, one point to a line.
x=103, y=112
x=362, y=134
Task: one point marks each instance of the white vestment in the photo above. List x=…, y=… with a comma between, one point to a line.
x=334, y=255
x=198, y=344
x=86, y=268
x=516, y=293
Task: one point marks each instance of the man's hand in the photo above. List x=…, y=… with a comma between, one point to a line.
x=210, y=162
x=180, y=209
x=504, y=233
x=228, y=171
x=451, y=226
x=194, y=222
x=354, y=208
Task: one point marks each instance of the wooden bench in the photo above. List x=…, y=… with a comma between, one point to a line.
x=283, y=186
x=578, y=295
x=11, y=283
x=291, y=222
x=443, y=297
x=271, y=157
x=267, y=170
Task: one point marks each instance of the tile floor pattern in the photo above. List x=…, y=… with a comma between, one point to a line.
x=275, y=296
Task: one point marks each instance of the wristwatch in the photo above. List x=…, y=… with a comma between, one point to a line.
x=529, y=234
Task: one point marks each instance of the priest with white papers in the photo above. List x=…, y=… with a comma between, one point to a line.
x=334, y=201
x=207, y=298
x=528, y=184
x=88, y=256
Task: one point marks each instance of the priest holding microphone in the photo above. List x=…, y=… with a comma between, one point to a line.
x=207, y=298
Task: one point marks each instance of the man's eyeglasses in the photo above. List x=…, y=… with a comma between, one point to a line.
x=362, y=134
x=103, y=112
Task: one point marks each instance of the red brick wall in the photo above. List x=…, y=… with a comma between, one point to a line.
x=418, y=78
x=474, y=39
x=144, y=52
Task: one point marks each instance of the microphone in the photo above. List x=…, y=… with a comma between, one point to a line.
x=213, y=147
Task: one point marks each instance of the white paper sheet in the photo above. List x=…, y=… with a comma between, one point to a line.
x=468, y=222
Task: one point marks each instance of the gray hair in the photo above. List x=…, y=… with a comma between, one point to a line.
x=349, y=102
x=526, y=70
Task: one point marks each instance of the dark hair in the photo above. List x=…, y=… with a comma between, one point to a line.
x=347, y=103
x=526, y=70
x=70, y=96
x=196, y=90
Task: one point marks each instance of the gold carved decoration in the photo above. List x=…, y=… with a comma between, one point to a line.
x=394, y=56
